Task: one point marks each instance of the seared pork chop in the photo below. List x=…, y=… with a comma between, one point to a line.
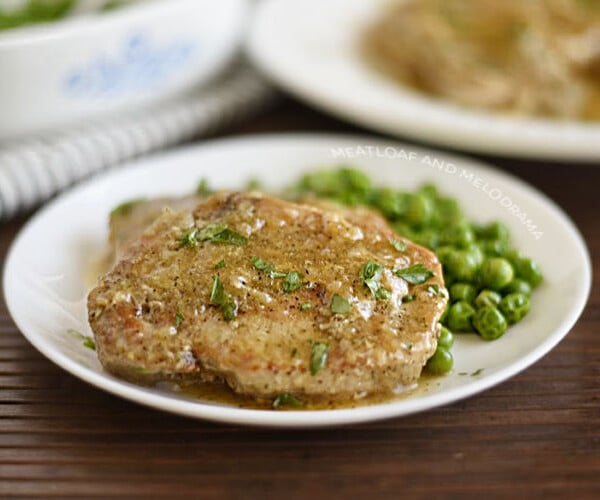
x=129, y=220
x=270, y=297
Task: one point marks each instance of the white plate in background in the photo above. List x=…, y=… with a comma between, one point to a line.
x=46, y=272
x=310, y=48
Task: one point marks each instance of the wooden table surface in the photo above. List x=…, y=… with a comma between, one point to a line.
x=535, y=436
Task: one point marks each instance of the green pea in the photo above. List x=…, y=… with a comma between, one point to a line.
x=449, y=257
x=477, y=254
x=391, y=203
x=443, y=252
x=459, y=235
x=449, y=210
x=355, y=179
x=351, y=198
x=517, y=286
x=429, y=190
x=462, y=291
x=420, y=210
x=529, y=270
x=514, y=307
x=494, y=231
x=449, y=280
x=441, y=362
x=445, y=314
x=345, y=184
x=496, y=273
x=489, y=323
x=514, y=255
x=459, y=317
x=325, y=182
x=404, y=230
x=487, y=298
x=446, y=339
x=494, y=248
x=427, y=238
x=462, y=265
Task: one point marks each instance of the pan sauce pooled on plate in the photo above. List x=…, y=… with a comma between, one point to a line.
x=276, y=299
x=534, y=57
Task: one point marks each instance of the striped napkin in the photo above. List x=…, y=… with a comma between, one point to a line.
x=34, y=169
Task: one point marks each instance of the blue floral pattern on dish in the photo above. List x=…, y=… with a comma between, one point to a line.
x=140, y=66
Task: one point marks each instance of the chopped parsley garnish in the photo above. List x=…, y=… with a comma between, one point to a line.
x=203, y=188
x=89, y=343
x=211, y=231
x=398, y=245
x=226, y=303
x=125, y=207
x=416, y=274
x=383, y=293
x=318, y=357
x=435, y=290
x=408, y=298
x=265, y=267
x=260, y=264
x=370, y=270
x=189, y=238
x=229, y=309
x=220, y=265
x=305, y=306
x=217, y=293
x=370, y=273
x=286, y=400
x=215, y=233
x=340, y=305
x=294, y=352
x=85, y=340
x=292, y=282
x=220, y=233
x=178, y=318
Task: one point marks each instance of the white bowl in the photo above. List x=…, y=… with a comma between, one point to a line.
x=83, y=66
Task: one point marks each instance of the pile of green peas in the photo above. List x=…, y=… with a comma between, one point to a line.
x=489, y=282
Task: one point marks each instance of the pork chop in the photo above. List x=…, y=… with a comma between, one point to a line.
x=129, y=220
x=270, y=297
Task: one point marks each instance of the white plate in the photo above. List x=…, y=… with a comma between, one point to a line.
x=45, y=273
x=310, y=49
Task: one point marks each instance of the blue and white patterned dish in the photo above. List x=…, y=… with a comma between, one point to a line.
x=85, y=66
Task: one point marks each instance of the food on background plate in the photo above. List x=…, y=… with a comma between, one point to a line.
x=298, y=302
x=537, y=58
x=272, y=297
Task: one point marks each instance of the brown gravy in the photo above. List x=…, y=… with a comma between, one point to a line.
x=216, y=393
